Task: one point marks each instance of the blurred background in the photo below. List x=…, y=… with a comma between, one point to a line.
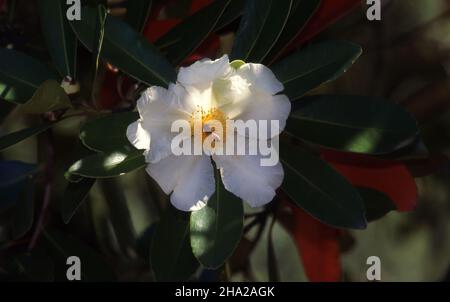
x=406, y=58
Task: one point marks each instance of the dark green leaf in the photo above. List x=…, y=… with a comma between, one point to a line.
x=231, y=13
x=184, y=38
x=106, y=165
x=352, y=123
x=20, y=76
x=301, y=13
x=137, y=13
x=60, y=246
x=59, y=37
x=216, y=229
x=74, y=195
x=124, y=48
x=376, y=203
x=316, y=64
x=319, y=190
x=260, y=28
x=170, y=254
x=11, y=139
x=50, y=96
x=108, y=133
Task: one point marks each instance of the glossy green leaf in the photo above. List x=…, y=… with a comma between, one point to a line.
x=315, y=65
x=376, y=204
x=59, y=37
x=21, y=75
x=184, y=38
x=108, y=133
x=216, y=229
x=232, y=12
x=74, y=195
x=260, y=27
x=50, y=96
x=124, y=48
x=11, y=139
x=171, y=257
x=301, y=13
x=138, y=12
x=106, y=165
x=60, y=246
x=319, y=190
x=352, y=123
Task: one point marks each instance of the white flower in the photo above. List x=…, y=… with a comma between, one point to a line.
x=219, y=92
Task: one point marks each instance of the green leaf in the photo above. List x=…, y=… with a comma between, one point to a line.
x=376, y=203
x=236, y=64
x=107, y=165
x=124, y=48
x=59, y=37
x=11, y=139
x=260, y=28
x=315, y=65
x=301, y=13
x=108, y=133
x=319, y=190
x=60, y=246
x=352, y=123
x=137, y=13
x=216, y=229
x=20, y=76
x=184, y=38
x=50, y=96
x=74, y=195
x=231, y=13
x=171, y=256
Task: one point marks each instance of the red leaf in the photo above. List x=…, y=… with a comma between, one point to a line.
x=208, y=49
x=329, y=12
x=387, y=176
x=198, y=5
x=317, y=245
x=155, y=29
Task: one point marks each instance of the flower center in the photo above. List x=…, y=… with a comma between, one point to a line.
x=209, y=120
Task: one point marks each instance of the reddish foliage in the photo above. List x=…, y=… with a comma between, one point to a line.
x=317, y=244
x=387, y=176
x=329, y=12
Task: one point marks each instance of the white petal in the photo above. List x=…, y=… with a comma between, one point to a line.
x=260, y=77
x=204, y=72
x=243, y=176
x=260, y=106
x=138, y=136
x=158, y=108
x=189, y=178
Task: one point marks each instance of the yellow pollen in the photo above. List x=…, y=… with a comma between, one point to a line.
x=205, y=116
